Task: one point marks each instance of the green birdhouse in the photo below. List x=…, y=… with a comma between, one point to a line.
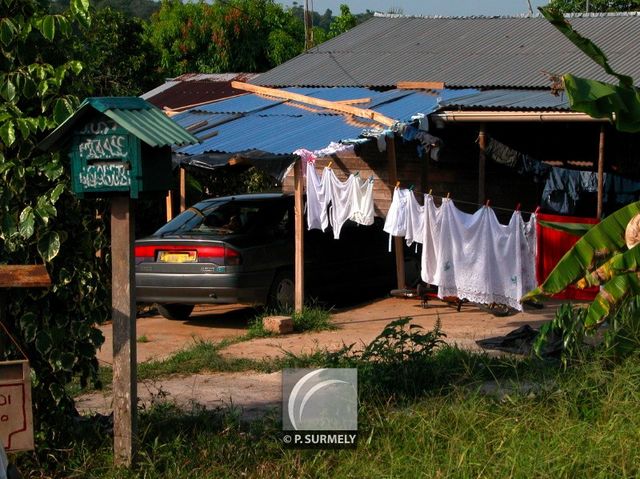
x=118, y=145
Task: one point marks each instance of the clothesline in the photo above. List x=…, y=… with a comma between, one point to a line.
x=508, y=210
x=310, y=157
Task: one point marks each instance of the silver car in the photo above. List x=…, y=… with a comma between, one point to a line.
x=240, y=249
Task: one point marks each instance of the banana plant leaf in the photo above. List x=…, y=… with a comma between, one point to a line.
x=619, y=103
x=597, y=99
x=556, y=18
x=607, y=300
x=596, y=246
x=576, y=229
x=621, y=263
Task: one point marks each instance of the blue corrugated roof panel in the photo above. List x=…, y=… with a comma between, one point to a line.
x=239, y=104
x=281, y=127
x=415, y=102
x=279, y=135
x=191, y=118
x=510, y=100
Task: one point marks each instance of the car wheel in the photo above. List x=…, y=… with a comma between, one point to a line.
x=178, y=312
x=281, y=294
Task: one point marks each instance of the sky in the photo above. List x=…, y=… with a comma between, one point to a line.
x=430, y=7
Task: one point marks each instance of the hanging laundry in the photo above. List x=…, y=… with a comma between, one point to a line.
x=503, y=154
x=415, y=220
x=306, y=155
x=341, y=197
x=474, y=257
x=318, y=198
x=535, y=169
x=405, y=217
x=620, y=191
x=362, y=202
x=431, y=240
x=561, y=191
x=396, y=221
x=522, y=163
x=552, y=245
x=333, y=148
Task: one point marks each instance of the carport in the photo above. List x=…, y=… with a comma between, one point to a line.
x=265, y=128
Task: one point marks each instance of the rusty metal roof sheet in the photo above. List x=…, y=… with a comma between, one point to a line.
x=195, y=88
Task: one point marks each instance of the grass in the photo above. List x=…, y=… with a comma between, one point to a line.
x=426, y=410
x=205, y=355
x=584, y=422
x=312, y=318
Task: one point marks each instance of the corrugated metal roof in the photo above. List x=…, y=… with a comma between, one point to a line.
x=251, y=122
x=137, y=116
x=277, y=134
x=195, y=88
x=462, y=52
x=539, y=100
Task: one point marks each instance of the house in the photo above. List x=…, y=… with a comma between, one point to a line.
x=466, y=75
x=468, y=82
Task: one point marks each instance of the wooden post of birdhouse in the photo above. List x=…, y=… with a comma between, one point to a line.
x=124, y=329
x=120, y=148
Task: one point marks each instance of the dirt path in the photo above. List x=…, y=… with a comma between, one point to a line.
x=253, y=393
x=362, y=324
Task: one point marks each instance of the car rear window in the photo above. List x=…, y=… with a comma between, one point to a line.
x=227, y=218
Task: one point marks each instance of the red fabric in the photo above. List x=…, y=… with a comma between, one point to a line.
x=552, y=245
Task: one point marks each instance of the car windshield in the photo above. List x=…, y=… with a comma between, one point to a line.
x=227, y=217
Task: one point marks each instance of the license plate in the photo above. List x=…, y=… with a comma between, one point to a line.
x=177, y=256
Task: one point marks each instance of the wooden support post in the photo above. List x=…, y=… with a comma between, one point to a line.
x=124, y=330
x=482, y=164
x=398, y=242
x=183, y=189
x=600, y=173
x=169, y=204
x=299, y=237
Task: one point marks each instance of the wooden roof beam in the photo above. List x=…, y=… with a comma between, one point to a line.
x=420, y=85
x=329, y=105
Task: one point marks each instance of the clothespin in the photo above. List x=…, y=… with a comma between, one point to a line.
x=371, y=178
x=410, y=187
x=537, y=210
x=448, y=195
x=397, y=184
x=487, y=203
x=518, y=207
x=329, y=165
x=357, y=173
x=430, y=190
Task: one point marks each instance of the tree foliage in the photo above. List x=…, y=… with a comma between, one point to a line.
x=229, y=36
x=118, y=59
x=142, y=9
x=41, y=221
x=580, y=6
x=342, y=23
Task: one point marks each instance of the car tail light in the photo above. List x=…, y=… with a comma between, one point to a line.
x=229, y=256
x=144, y=253
x=222, y=255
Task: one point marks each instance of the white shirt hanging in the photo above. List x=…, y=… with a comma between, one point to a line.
x=318, y=198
